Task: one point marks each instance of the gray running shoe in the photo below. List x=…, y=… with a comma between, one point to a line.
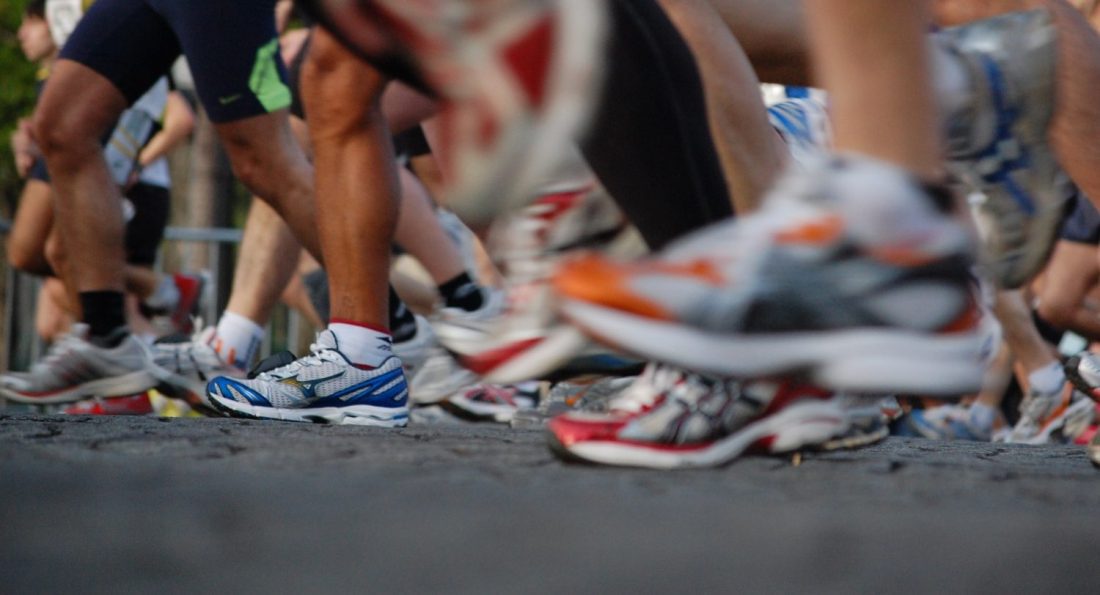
x=998, y=139
x=75, y=369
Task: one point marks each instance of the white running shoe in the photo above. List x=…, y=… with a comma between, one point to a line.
x=321, y=387
x=433, y=373
x=848, y=273
x=74, y=369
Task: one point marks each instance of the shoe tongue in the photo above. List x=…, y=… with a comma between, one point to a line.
x=326, y=339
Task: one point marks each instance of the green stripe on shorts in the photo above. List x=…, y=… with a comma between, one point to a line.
x=265, y=83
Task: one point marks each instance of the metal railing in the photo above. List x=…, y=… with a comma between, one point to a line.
x=22, y=346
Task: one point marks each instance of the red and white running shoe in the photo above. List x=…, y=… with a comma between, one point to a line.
x=138, y=404
x=518, y=80
x=704, y=422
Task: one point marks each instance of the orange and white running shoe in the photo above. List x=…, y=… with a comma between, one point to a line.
x=849, y=274
x=518, y=79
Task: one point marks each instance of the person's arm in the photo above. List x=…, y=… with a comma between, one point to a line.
x=179, y=121
x=23, y=147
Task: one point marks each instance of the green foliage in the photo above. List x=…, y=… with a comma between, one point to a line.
x=16, y=94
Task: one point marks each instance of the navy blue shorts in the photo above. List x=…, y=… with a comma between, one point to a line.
x=38, y=171
x=1082, y=225
x=230, y=46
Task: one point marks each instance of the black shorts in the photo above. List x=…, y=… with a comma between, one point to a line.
x=230, y=46
x=145, y=230
x=1082, y=225
x=38, y=171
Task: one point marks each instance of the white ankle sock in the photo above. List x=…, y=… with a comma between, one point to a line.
x=1047, y=379
x=363, y=346
x=237, y=339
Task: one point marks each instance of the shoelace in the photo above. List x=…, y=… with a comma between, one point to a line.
x=318, y=356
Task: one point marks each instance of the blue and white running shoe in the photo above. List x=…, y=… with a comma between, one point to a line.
x=998, y=138
x=321, y=387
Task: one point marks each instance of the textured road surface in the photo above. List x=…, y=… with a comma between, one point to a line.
x=140, y=504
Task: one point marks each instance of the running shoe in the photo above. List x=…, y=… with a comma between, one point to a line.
x=1083, y=371
x=518, y=80
x=75, y=369
x=848, y=274
x=946, y=422
x=998, y=139
x=493, y=402
x=705, y=423
x=433, y=373
x=186, y=367
x=1052, y=417
x=1093, y=450
x=518, y=335
x=803, y=124
x=172, y=310
x=133, y=405
x=322, y=387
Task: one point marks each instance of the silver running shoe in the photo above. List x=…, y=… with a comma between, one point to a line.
x=998, y=141
x=847, y=274
x=321, y=387
x=75, y=369
x=704, y=423
x=1056, y=417
x=186, y=368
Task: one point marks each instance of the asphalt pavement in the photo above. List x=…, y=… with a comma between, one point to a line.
x=192, y=505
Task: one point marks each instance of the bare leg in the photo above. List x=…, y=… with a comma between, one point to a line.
x=1029, y=348
x=876, y=76
x=356, y=182
x=269, y=161
x=752, y=154
x=419, y=232
x=267, y=260
x=89, y=211
x=1071, y=274
x=26, y=243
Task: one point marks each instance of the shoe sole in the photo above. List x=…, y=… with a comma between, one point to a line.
x=116, y=386
x=353, y=415
x=800, y=425
x=857, y=360
x=557, y=349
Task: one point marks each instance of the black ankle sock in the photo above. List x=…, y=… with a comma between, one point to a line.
x=941, y=196
x=104, y=315
x=402, y=321
x=462, y=292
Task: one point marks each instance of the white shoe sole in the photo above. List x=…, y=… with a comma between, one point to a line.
x=858, y=360
x=802, y=424
x=354, y=415
x=116, y=386
x=557, y=349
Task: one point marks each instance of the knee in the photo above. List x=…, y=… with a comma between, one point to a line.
x=23, y=257
x=1056, y=311
x=343, y=87
x=55, y=253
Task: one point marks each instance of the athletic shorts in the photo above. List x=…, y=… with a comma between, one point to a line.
x=145, y=228
x=231, y=47
x=1082, y=225
x=38, y=171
